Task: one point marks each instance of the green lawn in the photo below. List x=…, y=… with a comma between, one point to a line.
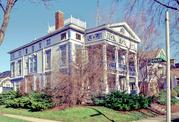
x=8, y=119
x=79, y=114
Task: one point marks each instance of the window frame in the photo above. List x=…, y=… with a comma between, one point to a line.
x=48, y=65
x=78, y=36
x=63, y=62
x=63, y=36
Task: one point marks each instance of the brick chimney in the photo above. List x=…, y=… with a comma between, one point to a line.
x=59, y=20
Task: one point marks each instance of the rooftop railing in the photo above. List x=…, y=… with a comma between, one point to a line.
x=75, y=21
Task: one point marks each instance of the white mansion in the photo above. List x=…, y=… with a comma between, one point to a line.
x=36, y=57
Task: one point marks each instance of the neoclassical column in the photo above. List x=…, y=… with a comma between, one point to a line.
x=105, y=80
x=43, y=68
x=117, y=67
x=15, y=87
x=127, y=71
x=23, y=72
x=136, y=74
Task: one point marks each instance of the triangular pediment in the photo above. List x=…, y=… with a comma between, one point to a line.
x=124, y=29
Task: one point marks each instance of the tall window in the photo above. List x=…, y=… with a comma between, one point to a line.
x=27, y=66
x=48, y=59
x=12, y=69
x=63, y=36
x=78, y=36
x=19, y=64
x=33, y=64
x=63, y=55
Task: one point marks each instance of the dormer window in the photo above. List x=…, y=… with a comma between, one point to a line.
x=63, y=36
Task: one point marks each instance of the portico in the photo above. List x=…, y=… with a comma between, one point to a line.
x=120, y=69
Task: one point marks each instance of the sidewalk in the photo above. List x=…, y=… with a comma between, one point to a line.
x=175, y=118
x=155, y=119
x=30, y=119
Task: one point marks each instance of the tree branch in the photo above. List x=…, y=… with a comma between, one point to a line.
x=177, y=1
x=165, y=5
x=1, y=6
x=15, y=2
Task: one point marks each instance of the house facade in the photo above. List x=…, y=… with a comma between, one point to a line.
x=152, y=74
x=58, y=49
x=5, y=82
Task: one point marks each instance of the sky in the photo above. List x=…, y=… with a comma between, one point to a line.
x=30, y=20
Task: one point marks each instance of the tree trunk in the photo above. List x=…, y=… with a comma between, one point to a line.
x=5, y=21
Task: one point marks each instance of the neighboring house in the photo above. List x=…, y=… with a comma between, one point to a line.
x=5, y=83
x=175, y=74
x=152, y=73
x=37, y=57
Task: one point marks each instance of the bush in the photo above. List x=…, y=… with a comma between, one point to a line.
x=177, y=90
x=5, y=96
x=162, y=98
x=39, y=102
x=99, y=100
x=21, y=102
x=174, y=93
x=33, y=101
x=122, y=101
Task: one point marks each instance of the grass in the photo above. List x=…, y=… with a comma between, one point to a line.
x=8, y=119
x=79, y=114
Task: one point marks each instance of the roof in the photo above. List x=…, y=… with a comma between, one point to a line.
x=151, y=54
x=70, y=26
x=110, y=27
x=157, y=53
x=5, y=74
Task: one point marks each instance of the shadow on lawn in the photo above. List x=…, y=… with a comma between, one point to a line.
x=100, y=113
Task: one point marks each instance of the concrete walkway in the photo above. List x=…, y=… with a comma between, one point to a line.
x=175, y=118
x=155, y=119
x=30, y=119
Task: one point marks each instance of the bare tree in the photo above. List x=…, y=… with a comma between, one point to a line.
x=76, y=83
x=148, y=33
x=6, y=7
x=155, y=11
